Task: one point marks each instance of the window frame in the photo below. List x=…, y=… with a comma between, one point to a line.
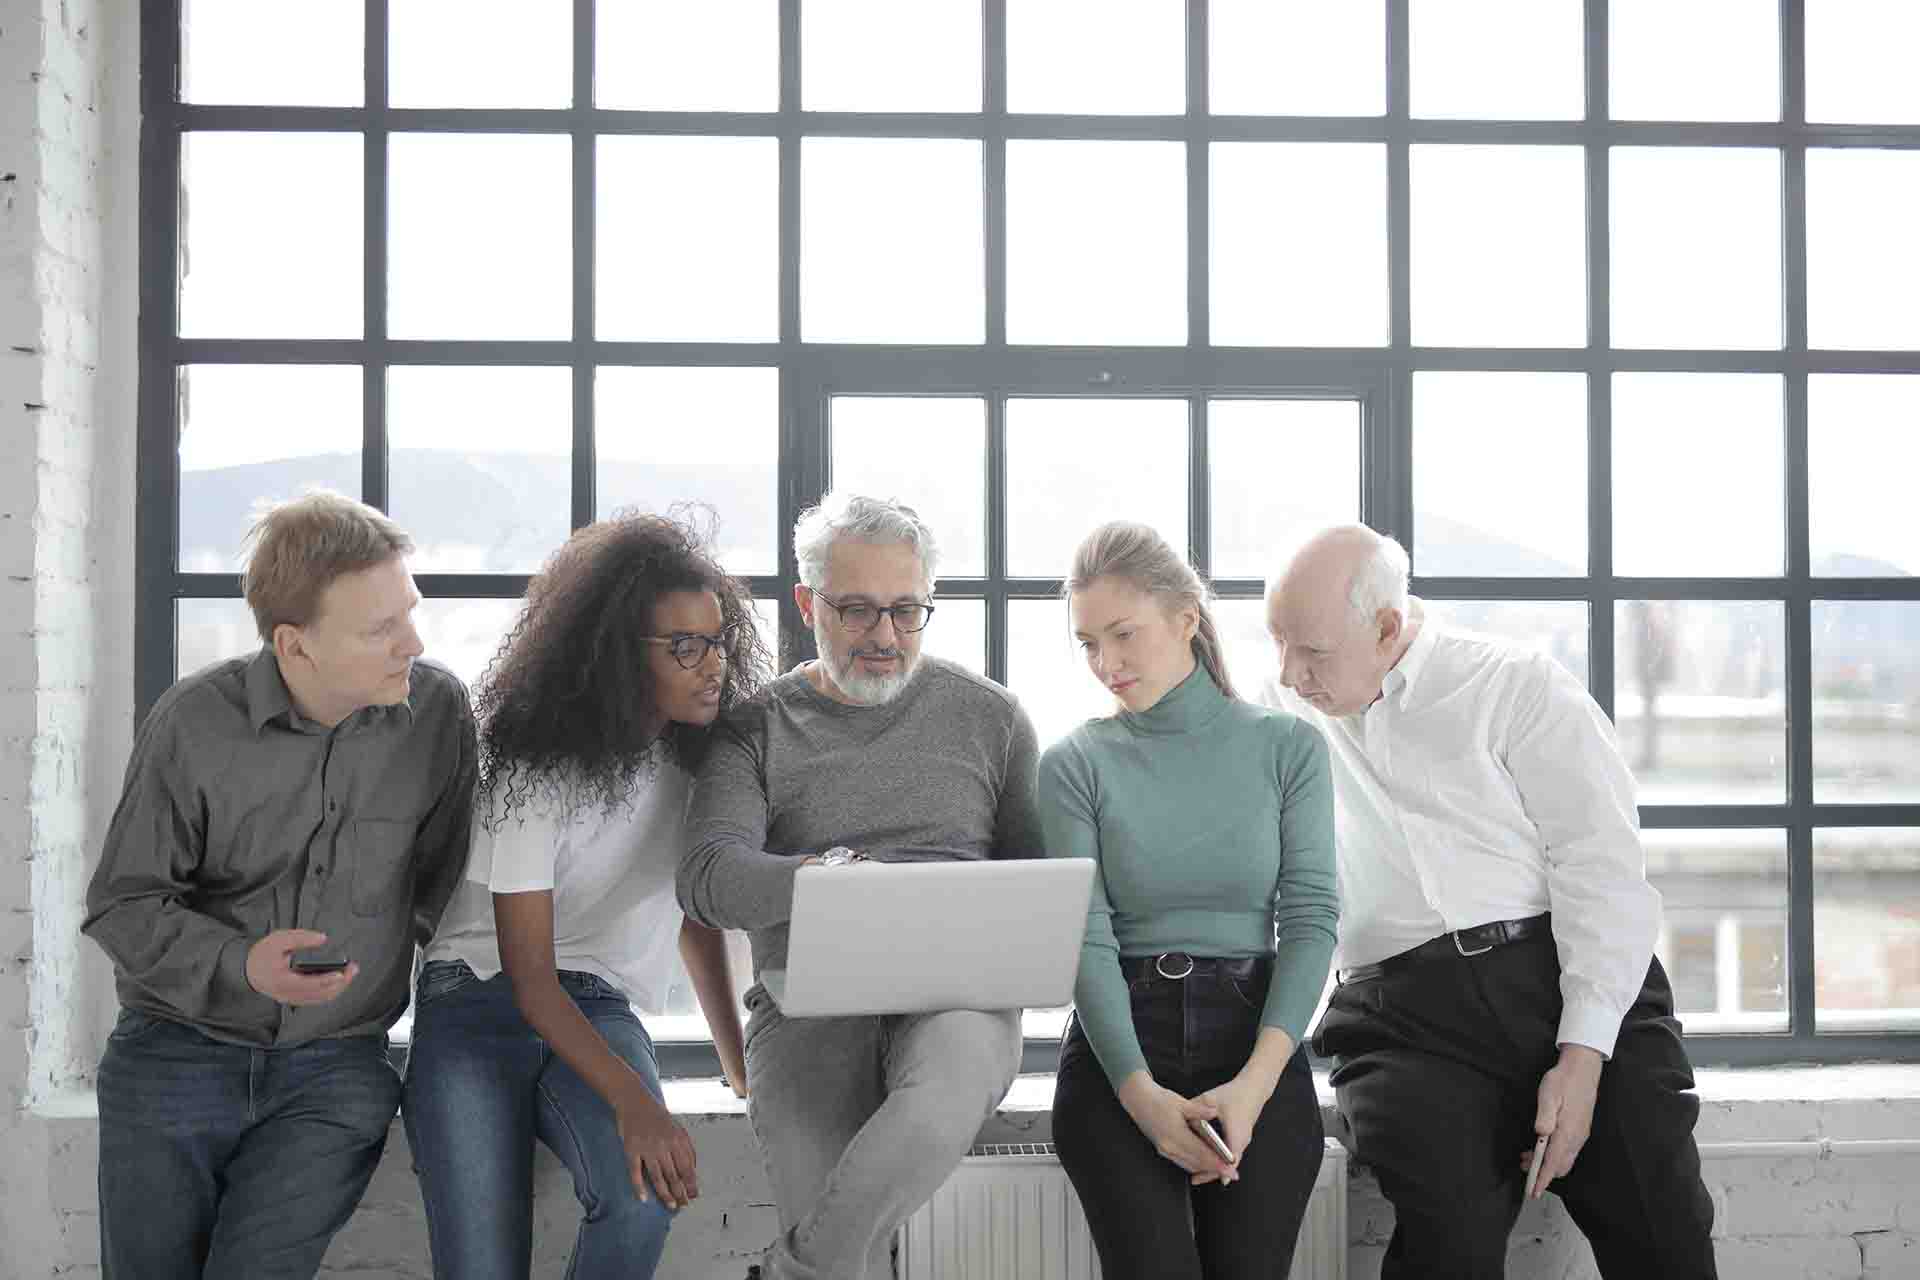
x=811, y=372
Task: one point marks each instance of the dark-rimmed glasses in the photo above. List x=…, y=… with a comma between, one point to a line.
x=690, y=648
x=862, y=616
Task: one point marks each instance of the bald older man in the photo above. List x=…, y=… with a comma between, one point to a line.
x=1496, y=969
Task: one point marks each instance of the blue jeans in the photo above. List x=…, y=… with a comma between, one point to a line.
x=221, y=1161
x=481, y=1086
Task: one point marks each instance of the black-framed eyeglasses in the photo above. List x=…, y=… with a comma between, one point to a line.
x=690, y=648
x=861, y=616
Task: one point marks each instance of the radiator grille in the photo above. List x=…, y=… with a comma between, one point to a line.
x=1009, y=1213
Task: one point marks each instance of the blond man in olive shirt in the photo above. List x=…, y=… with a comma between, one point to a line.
x=303, y=807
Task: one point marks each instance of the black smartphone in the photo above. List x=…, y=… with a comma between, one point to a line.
x=330, y=958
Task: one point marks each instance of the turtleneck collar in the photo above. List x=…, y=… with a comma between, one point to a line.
x=1190, y=705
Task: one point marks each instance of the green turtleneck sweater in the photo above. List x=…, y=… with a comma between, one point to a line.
x=1211, y=821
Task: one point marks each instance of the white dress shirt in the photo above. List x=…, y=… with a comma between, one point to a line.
x=1484, y=784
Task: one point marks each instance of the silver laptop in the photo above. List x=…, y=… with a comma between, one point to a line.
x=913, y=937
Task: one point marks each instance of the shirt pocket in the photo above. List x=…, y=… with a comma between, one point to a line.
x=382, y=865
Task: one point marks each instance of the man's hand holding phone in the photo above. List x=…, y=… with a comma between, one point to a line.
x=296, y=967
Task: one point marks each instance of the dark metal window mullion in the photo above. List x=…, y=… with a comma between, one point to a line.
x=1199, y=160
x=156, y=483
x=993, y=83
x=1801, y=992
x=1603, y=589
x=374, y=470
x=1387, y=470
x=585, y=226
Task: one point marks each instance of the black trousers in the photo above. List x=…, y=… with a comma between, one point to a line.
x=1147, y=1220
x=1437, y=1068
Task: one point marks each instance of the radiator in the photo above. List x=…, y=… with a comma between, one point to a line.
x=1009, y=1213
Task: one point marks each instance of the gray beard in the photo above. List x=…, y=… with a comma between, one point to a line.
x=868, y=691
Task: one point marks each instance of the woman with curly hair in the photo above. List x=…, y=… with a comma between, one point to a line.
x=631, y=642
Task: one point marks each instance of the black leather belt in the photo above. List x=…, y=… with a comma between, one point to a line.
x=1175, y=965
x=1478, y=940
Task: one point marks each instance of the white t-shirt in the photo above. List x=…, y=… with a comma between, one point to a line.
x=614, y=910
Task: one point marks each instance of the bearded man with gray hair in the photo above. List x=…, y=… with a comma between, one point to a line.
x=901, y=757
x=1500, y=1022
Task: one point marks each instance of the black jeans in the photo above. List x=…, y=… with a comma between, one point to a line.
x=1146, y=1219
x=1438, y=1068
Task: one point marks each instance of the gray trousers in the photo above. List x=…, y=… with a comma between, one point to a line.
x=862, y=1119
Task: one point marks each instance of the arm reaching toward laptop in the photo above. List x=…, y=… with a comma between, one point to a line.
x=728, y=880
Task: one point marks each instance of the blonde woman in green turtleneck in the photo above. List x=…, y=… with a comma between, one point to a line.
x=1208, y=938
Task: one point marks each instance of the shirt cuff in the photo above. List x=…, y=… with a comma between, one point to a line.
x=1592, y=1024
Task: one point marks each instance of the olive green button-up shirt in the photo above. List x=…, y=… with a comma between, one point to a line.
x=240, y=817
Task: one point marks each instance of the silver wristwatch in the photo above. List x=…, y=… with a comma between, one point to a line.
x=840, y=856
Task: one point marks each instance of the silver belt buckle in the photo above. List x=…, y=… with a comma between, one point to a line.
x=1160, y=965
x=1455, y=935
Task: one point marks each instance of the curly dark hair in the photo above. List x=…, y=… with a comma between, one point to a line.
x=565, y=704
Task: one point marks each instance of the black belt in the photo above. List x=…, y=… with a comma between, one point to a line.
x=1478, y=940
x=1175, y=965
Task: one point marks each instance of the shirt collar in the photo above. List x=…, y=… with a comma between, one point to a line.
x=268, y=698
x=1400, y=682
x=1192, y=704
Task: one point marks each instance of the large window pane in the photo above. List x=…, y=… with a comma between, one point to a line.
x=1046, y=672
x=1863, y=274
x=1863, y=450
x=1866, y=933
x=1499, y=255
x=881, y=55
x=464, y=634
x=1245, y=643
x=252, y=433
x=1096, y=242
x=1860, y=61
x=687, y=243
x=270, y=230
x=1073, y=465
x=210, y=631
x=478, y=53
x=1723, y=931
x=1669, y=431
x=479, y=236
x=930, y=453
x=1278, y=471
x=666, y=435
x=664, y=55
x=1866, y=701
x=1097, y=57
x=1499, y=474
x=1298, y=245
x=958, y=632
x=1700, y=699
x=305, y=54
x=1557, y=628
x=481, y=469
x=891, y=246
x=1497, y=59
x=1717, y=61
x=1696, y=247
x=1272, y=59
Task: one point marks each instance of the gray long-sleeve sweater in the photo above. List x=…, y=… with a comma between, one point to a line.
x=946, y=771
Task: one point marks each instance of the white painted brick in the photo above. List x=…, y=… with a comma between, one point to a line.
x=1887, y=1255
x=1783, y=1258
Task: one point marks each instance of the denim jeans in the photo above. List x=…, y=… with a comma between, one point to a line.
x=481, y=1086
x=861, y=1120
x=1147, y=1220
x=233, y=1163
